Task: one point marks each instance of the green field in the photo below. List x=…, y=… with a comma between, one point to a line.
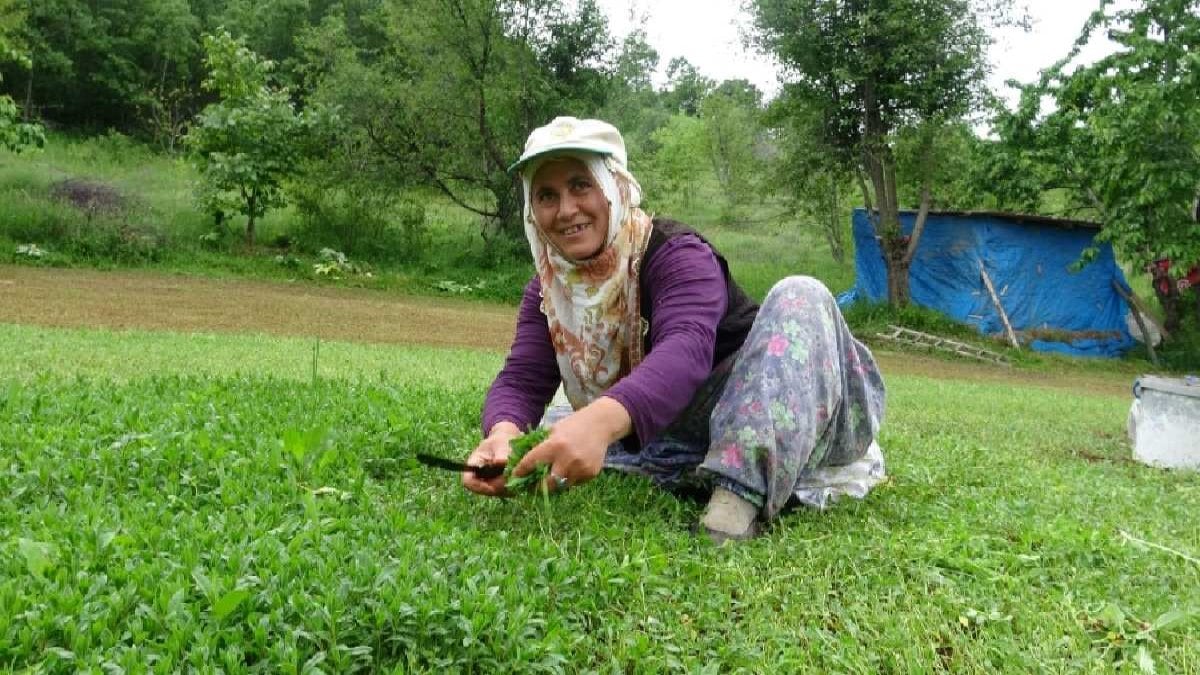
x=188, y=502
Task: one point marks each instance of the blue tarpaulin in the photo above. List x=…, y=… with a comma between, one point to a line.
x=1029, y=261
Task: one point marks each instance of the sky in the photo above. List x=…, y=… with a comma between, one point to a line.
x=708, y=34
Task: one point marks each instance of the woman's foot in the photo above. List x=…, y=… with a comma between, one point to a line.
x=728, y=516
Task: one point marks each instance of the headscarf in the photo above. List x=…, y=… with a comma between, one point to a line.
x=593, y=306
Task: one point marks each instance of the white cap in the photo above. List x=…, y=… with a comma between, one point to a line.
x=565, y=134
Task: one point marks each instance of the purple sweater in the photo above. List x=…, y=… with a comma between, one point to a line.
x=688, y=296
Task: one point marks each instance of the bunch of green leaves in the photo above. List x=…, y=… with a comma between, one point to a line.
x=521, y=445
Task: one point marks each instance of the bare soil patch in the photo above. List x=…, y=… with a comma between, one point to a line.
x=72, y=298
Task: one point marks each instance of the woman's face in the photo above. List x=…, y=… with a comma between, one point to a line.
x=569, y=207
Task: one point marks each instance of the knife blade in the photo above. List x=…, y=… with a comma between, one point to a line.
x=485, y=471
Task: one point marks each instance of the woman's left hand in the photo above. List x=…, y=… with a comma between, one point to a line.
x=577, y=445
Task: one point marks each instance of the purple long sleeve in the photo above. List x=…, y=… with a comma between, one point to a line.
x=525, y=385
x=688, y=296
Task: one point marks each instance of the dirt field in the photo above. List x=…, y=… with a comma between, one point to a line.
x=154, y=301
x=151, y=301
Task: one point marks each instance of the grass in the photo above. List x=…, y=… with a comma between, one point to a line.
x=160, y=227
x=179, y=502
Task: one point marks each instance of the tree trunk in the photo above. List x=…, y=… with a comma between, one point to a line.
x=897, y=269
x=27, y=109
x=880, y=166
x=1168, y=297
x=252, y=204
x=887, y=226
x=833, y=230
x=510, y=208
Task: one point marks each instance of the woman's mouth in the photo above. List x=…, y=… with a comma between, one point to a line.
x=574, y=229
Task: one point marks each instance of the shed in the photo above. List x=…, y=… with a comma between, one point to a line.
x=1030, y=261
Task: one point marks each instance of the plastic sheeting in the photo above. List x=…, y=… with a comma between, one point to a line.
x=1078, y=313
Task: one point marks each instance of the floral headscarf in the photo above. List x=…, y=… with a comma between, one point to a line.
x=593, y=306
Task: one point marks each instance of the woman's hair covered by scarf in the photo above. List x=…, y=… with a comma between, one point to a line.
x=592, y=306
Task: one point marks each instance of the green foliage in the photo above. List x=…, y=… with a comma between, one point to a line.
x=731, y=122
x=15, y=133
x=814, y=179
x=361, y=219
x=163, y=505
x=633, y=105
x=251, y=140
x=1182, y=352
x=1123, y=136
x=447, y=103
x=521, y=445
x=674, y=170
x=686, y=88
x=102, y=64
x=864, y=73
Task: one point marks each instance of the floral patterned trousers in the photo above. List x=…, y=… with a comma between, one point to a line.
x=790, y=418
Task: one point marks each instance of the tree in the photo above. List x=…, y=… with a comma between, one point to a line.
x=15, y=133
x=108, y=63
x=682, y=149
x=1123, y=138
x=451, y=98
x=633, y=105
x=137, y=65
x=251, y=140
x=686, y=87
x=871, y=70
x=731, y=115
x=811, y=175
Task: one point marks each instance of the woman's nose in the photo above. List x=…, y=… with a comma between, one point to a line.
x=567, y=207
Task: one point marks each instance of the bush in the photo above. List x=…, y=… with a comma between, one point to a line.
x=362, y=220
x=1182, y=351
x=82, y=220
x=110, y=239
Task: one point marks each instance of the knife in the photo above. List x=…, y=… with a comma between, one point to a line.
x=485, y=471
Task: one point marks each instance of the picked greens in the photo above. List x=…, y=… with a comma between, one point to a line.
x=521, y=445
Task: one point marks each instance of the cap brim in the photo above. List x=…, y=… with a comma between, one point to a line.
x=559, y=150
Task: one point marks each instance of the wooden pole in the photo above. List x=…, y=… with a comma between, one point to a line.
x=1008, y=329
x=1136, y=302
x=1137, y=316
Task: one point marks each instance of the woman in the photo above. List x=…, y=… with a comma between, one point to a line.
x=670, y=370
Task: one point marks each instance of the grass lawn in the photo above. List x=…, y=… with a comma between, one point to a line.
x=178, y=502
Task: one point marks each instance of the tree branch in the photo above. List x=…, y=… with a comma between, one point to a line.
x=919, y=226
x=430, y=171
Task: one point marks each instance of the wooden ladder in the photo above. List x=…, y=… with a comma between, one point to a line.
x=916, y=338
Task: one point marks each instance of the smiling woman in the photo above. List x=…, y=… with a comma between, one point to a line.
x=671, y=371
x=570, y=208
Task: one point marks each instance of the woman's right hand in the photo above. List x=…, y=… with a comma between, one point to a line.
x=492, y=450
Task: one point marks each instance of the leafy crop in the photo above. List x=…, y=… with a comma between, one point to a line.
x=521, y=445
x=241, y=523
